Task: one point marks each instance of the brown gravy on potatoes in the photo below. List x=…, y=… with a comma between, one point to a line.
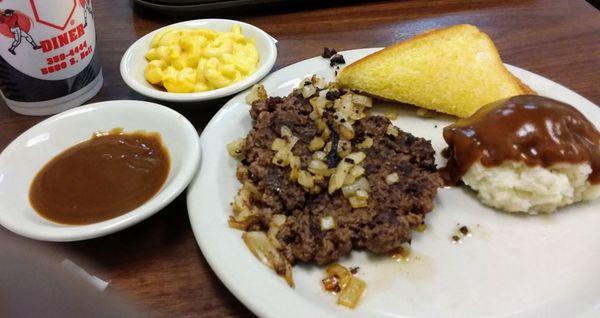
x=101, y=178
x=532, y=129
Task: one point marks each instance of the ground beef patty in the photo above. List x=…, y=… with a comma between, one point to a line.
x=392, y=209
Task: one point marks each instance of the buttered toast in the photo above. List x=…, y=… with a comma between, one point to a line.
x=455, y=70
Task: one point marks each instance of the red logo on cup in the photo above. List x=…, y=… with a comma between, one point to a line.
x=45, y=12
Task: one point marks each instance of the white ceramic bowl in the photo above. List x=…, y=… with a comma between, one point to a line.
x=133, y=62
x=26, y=155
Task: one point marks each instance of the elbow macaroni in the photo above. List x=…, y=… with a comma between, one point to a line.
x=198, y=60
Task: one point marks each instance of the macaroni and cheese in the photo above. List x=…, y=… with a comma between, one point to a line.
x=198, y=60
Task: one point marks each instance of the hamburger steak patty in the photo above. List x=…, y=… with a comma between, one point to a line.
x=392, y=209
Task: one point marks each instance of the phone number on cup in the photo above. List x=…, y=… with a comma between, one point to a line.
x=64, y=60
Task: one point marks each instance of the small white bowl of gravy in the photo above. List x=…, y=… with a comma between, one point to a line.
x=95, y=169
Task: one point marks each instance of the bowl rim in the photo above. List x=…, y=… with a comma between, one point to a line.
x=66, y=233
x=129, y=56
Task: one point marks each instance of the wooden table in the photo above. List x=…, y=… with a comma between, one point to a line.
x=157, y=263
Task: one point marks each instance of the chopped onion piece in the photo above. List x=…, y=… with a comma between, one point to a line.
x=344, y=148
x=367, y=143
x=345, y=105
x=282, y=158
x=243, y=221
x=331, y=284
x=362, y=194
x=341, y=273
x=242, y=172
x=337, y=179
x=349, y=179
x=319, y=155
x=318, y=167
x=286, y=132
x=360, y=184
x=305, y=179
x=350, y=295
x=327, y=148
x=362, y=100
x=327, y=223
x=392, y=178
x=234, y=148
x=295, y=162
x=358, y=201
x=316, y=144
x=320, y=103
x=293, y=141
x=308, y=90
x=278, y=144
x=321, y=124
x=319, y=82
x=392, y=130
x=274, y=227
x=357, y=171
x=243, y=212
x=294, y=174
x=313, y=102
x=356, y=157
x=251, y=189
x=326, y=134
x=241, y=202
x=278, y=219
x=340, y=280
x=261, y=247
x=257, y=92
x=346, y=131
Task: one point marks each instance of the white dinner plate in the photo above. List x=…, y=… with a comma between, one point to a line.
x=511, y=266
x=28, y=153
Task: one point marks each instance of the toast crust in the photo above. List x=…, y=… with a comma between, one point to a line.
x=496, y=62
x=408, y=42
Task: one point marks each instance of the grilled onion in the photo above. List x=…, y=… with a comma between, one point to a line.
x=367, y=143
x=392, y=130
x=392, y=178
x=257, y=92
x=350, y=295
x=261, y=247
x=234, y=148
x=316, y=144
x=327, y=223
x=341, y=281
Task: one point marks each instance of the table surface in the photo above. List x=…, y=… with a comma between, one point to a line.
x=157, y=262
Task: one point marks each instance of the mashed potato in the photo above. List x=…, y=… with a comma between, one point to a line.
x=516, y=187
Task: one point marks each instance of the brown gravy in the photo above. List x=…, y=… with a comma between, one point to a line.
x=101, y=178
x=532, y=129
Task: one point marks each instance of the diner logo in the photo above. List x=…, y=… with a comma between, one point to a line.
x=45, y=12
x=50, y=40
